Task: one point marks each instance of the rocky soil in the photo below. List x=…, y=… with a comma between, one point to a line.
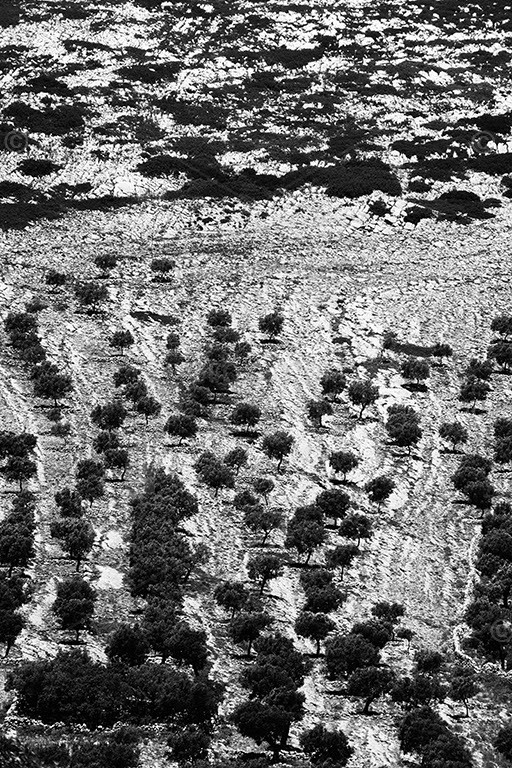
x=426, y=287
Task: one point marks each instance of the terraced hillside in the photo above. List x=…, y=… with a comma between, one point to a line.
x=280, y=157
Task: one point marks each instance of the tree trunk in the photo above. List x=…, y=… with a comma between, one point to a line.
x=77, y=564
x=279, y=463
x=249, y=648
x=8, y=647
x=308, y=558
x=265, y=537
x=467, y=708
x=77, y=635
x=366, y=708
x=263, y=582
x=361, y=412
x=318, y=646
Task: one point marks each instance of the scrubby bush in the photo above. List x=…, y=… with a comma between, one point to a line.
x=55, y=278
x=213, y=472
x=333, y=382
x=219, y=317
x=76, y=536
x=379, y=489
x=72, y=689
x=126, y=375
x=473, y=389
x=270, y=719
x=479, y=369
x=247, y=627
x=343, y=461
x=90, y=476
x=90, y=294
x=181, y=426
x=148, y=406
x=51, y=385
x=342, y=557
x=105, y=441
x=74, y=605
x=19, y=469
x=325, y=747
x=333, y=503
x=237, y=458
x=346, y=653
x=403, y=426
x=363, y=394
x=231, y=595
x=110, y=416
x=314, y=626
x=454, y=432
x=502, y=324
x=503, y=741
x=263, y=568
x=356, y=526
x=189, y=745
x=502, y=353
x=122, y=340
x=105, y=262
x=370, y=683
x=271, y=324
x=162, y=267
x=317, y=409
x=417, y=370
x=263, y=486
x=173, y=358
x=305, y=536
x=278, y=445
x=69, y=503
x=128, y=645
x=245, y=415
x=462, y=685
x=117, y=458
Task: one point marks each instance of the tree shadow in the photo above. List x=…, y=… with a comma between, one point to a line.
x=412, y=386
x=476, y=411
x=249, y=437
